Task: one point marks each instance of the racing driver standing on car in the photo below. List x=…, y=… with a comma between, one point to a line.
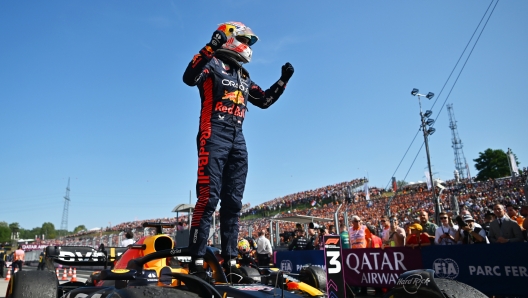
x=225, y=89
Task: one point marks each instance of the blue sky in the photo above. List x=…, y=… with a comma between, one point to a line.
x=92, y=90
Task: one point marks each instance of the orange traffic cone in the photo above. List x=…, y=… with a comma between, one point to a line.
x=57, y=272
x=74, y=276
x=65, y=274
x=8, y=277
x=70, y=272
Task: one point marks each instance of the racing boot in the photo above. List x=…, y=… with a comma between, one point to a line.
x=235, y=275
x=196, y=268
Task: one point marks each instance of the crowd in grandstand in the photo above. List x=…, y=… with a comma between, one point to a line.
x=475, y=201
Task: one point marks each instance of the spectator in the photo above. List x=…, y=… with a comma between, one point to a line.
x=360, y=236
x=446, y=232
x=503, y=229
x=524, y=213
x=385, y=231
x=470, y=234
x=488, y=218
x=396, y=234
x=513, y=213
x=264, y=250
x=375, y=240
x=345, y=240
x=429, y=228
x=416, y=238
x=129, y=235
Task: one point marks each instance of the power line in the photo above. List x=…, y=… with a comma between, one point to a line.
x=449, y=77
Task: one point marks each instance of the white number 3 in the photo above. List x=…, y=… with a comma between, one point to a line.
x=335, y=264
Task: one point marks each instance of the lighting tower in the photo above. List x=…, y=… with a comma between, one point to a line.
x=64, y=222
x=460, y=159
x=426, y=127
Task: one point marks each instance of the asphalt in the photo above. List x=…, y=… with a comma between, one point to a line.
x=82, y=275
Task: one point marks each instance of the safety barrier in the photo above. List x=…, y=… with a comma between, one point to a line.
x=494, y=269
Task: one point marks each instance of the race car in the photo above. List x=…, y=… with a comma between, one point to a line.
x=139, y=271
x=311, y=281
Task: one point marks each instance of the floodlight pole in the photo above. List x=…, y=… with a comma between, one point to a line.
x=436, y=199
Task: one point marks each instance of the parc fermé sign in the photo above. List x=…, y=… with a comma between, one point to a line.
x=494, y=269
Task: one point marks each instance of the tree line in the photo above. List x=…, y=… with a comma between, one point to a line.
x=46, y=231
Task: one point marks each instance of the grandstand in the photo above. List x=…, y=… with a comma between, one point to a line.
x=323, y=202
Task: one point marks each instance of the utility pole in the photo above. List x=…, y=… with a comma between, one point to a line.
x=64, y=222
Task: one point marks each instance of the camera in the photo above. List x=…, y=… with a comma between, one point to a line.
x=461, y=223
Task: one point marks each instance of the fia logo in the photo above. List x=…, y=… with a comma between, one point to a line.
x=286, y=265
x=446, y=268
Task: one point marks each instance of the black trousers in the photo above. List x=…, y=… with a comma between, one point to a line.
x=2, y=265
x=263, y=260
x=17, y=264
x=41, y=266
x=222, y=170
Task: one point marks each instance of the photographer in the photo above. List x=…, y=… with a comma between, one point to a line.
x=488, y=218
x=445, y=233
x=312, y=241
x=468, y=233
x=322, y=232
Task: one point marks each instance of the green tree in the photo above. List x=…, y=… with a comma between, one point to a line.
x=5, y=232
x=492, y=164
x=48, y=229
x=79, y=228
x=62, y=233
x=30, y=234
x=401, y=183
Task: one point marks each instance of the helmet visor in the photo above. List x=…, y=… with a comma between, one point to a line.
x=248, y=33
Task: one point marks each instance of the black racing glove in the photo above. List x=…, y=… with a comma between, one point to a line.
x=287, y=72
x=217, y=40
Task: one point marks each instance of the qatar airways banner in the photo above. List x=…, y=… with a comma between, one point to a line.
x=376, y=267
x=34, y=246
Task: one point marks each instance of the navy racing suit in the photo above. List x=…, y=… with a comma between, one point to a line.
x=225, y=89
